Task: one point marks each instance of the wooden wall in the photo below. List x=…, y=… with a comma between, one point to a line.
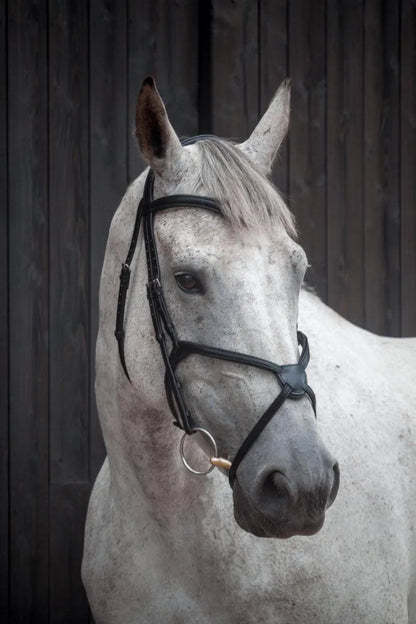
x=70, y=71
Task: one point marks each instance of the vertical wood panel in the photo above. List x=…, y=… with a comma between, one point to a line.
x=391, y=158
x=68, y=601
x=382, y=209
x=273, y=69
x=108, y=158
x=28, y=279
x=158, y=46
x=307, y=164
x=4, y=329
x=69, y=240
x=345, y=158
x=375, y=265
x=141, y=52
x=235, y=68
x=69, y=293
x=408, y=167
x=204, y=66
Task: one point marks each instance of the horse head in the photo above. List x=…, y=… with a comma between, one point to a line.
x=226, y=278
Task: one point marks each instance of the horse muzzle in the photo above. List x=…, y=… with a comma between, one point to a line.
x=286, y=499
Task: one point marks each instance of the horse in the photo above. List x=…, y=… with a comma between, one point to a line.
x=204, y=316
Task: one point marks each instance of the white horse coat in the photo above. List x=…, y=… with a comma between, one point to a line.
x=161, y=544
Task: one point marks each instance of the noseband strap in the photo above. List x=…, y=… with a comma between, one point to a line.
x=291, y=377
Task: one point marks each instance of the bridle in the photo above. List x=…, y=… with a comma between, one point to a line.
x=291, y=377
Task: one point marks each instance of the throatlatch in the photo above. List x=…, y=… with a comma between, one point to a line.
x=291, y=377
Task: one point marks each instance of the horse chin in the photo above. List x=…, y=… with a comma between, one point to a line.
x=263, y=527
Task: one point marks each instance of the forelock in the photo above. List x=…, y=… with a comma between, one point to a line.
x=247, y=198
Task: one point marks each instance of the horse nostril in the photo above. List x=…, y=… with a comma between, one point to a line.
x=275, y=494
x=278, y=494
x=335, y=485
x=275, y=485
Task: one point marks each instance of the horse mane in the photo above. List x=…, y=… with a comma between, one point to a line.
x=248, y=199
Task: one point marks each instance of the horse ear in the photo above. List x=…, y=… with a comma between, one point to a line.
x=158, y=141
x=266, y=138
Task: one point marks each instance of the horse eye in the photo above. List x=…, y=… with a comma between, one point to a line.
x=188, y=283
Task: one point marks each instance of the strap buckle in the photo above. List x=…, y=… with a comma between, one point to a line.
x=154, y=284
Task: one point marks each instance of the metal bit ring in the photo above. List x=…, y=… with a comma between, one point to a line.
x=181, y=451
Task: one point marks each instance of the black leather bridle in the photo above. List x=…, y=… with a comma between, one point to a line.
x=291, y=377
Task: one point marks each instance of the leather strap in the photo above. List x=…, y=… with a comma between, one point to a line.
x=124, y=285
x=182, y=201
x=257, y=429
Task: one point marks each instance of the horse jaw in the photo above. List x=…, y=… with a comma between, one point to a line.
x=264, y=142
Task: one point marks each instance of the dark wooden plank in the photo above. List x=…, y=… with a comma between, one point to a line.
x=307, y=146
x=374, y=199
x=69, y=288
x=274, y=42
x=141, y=52
x=235, y=65
x=68, y=508
x=108, y=158
x=391, y=137
x=273, y=69
x=4, y=330
x=163, y=41
x=69, y=240
x=345, y=158
x=408, y=167
x=391, y=144
x=204, y=66
x=28, y=287
x=382, y=200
